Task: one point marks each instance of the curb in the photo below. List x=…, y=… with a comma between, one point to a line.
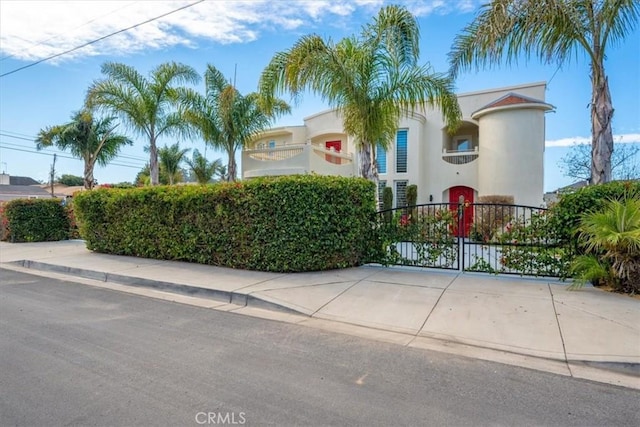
x=236, y=298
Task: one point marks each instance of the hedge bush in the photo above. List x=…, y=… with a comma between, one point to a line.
x=286, y=224
x=36, y=220
x=566, y=213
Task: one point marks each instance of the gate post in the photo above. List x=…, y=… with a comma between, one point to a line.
x=460, y=233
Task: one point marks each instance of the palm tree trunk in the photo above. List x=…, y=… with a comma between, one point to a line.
x=231, y=169
x=368, y=167
x=602, y=136
x=365, y=161
x=154, y=171
x=88, y=174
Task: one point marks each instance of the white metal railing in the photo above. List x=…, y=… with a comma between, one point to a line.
x=332, y=156
x=459, y=157
x=296, y=159
x=276, y=153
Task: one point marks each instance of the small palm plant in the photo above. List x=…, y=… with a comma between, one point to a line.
x=612, y=247
x=170, y=158
x=204, y=170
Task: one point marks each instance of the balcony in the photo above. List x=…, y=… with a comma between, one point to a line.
x=295, y=160
x=459, y=157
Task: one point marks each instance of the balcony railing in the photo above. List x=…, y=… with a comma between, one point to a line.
x=296, y=159
x=459, y=157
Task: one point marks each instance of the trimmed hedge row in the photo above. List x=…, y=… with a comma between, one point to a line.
x=568, y=211
x=35, y=220
x=293, y=223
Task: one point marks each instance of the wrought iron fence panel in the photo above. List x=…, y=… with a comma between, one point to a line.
x=514, y=239
x=422, y=236
x=483, y=237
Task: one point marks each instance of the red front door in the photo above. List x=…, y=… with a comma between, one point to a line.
x=336, y=146
x=465, y=195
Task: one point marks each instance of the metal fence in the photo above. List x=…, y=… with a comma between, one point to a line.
x=491, y=238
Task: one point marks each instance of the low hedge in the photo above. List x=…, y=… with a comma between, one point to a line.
x=35, y=220
x=285, y=224
x=567, y=212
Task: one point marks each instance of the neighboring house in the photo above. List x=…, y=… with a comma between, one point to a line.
x=21, y=180
x=61, y=190
x=21, y=187
x=498, y=149
x=553, y=196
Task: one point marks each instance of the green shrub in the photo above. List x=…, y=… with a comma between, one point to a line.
x=412, y=195
x=566, y=213
x=36, y=220
x=412, y=199
x=387, y=202
x=294, y=223
x=4, y=223
x=426, y=240
x=73, y=226
x=611, y=239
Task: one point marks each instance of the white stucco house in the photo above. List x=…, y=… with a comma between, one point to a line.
x=498, y=149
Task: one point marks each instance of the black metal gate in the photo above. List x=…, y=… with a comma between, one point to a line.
x=482, y=237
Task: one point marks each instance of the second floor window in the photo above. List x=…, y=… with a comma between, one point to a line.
x=381, y=158
x=401, y=151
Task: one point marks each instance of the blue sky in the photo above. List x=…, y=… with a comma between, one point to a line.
x=245, y=34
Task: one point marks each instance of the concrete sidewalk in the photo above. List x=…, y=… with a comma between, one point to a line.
x=528, y=322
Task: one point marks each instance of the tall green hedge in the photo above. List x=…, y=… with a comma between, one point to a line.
x=36, y=220
x=295, y=223
x=567, y=212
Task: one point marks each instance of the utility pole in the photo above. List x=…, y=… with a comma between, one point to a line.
x=235, y=72
x=53, y=173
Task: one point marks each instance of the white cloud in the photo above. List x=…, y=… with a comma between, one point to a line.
x=627, y=138
x=32, y=30
x=442, y=7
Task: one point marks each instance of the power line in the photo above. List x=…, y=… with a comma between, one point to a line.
x=32, y=139
x=554, y=74
x=101, y=38
x=62, y=154
x=3, y=145
x=80, y=26
x=17, y=133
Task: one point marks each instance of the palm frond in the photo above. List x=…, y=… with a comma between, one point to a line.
x=225, y=118
x=370, y=79
x=588, y=269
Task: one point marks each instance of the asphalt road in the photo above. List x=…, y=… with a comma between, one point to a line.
x=72, y=354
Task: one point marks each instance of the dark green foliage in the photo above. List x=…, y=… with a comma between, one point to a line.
x=295, y=223
x=123, y=184
x=423, y=239
x=36, y=220
x=412, y=199
x=387, y=202
x=412, y=195
x=567, y=212
x=71, y=180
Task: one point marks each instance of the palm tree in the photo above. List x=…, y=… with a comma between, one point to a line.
x=202, y=169
x=372, y=80
x=92, y=140
x=226, y=119
x=146, y=105
x=143, y=178
x=170, y=159
x=612, y=243
x=554, y=30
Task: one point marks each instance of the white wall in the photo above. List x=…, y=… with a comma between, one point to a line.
x=282, y=136
x=511, y=154
x=511, y=146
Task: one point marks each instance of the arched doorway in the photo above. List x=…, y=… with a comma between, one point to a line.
x=461, y=194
